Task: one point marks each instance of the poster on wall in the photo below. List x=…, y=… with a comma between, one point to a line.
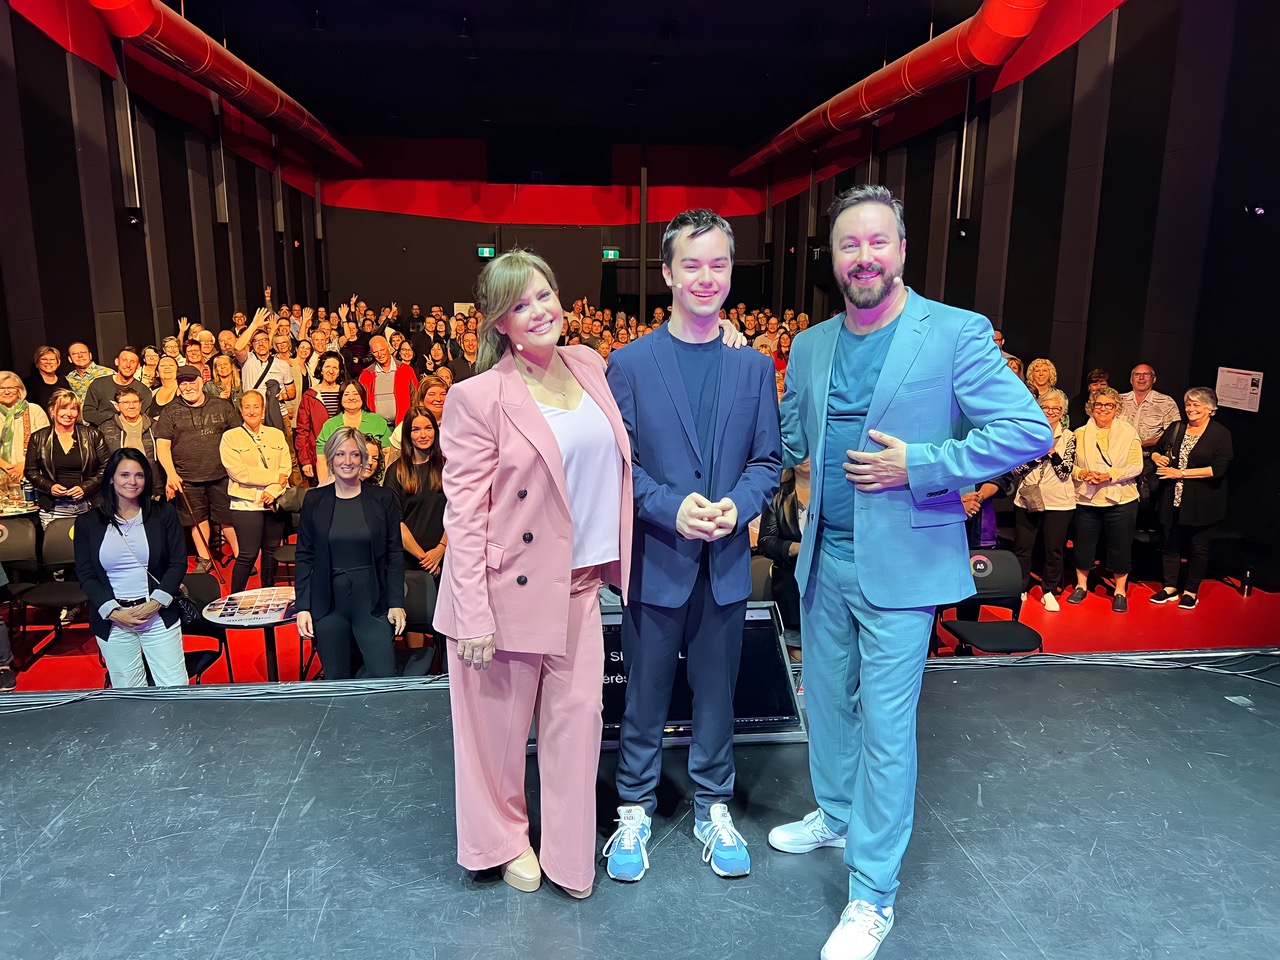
x=1241, y=389
x=463, y=308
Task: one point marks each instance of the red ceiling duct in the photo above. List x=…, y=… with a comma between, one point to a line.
x=986, y=39
x=164, y=34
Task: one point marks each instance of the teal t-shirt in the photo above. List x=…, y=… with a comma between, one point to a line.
x=854, y=374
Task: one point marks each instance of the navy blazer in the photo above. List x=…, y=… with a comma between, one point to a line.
x=666, y=463
x=315, y=566
x=167, y=562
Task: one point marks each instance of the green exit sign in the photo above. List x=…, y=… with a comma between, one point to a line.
x=485, y=251
x=610, y=253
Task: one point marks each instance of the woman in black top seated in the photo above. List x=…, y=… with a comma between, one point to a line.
x=1191, y=459
x=415, y=482
x=350, y=569
x=781, y=527
x=131, y=556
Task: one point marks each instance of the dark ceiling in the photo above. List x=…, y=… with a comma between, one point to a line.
x=587, y=73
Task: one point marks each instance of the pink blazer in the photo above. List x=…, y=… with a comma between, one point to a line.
x=508, y=568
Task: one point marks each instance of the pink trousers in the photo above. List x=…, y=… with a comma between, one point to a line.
x=492, y=710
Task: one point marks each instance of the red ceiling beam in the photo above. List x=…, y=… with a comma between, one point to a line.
x=161, y=32
x=987, y=39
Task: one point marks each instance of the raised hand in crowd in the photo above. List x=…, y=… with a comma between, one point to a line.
x=183, y=326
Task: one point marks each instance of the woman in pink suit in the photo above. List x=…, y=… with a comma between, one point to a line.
x=538, y=484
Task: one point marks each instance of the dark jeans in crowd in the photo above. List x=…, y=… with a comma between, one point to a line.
x=1116, y=525
x=1181, y=540
x=6, y=651
x=1030, y=524
x=259, y=531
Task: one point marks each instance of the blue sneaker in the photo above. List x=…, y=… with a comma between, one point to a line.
x=722, y=845
x=628, y=849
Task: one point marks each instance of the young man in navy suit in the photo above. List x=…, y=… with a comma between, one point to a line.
x=901, y=404
x=703, y=423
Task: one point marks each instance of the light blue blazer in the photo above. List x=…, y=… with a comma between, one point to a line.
x=947, y=392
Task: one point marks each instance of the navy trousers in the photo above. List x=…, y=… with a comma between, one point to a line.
x=652, y=641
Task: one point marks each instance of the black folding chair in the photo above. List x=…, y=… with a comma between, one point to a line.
x=998, y=577
x=202, y=589
x=57, y=554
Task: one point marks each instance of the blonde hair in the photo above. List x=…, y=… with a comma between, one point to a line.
x=425, y=384
x=7, y=375
x=60, y=399
x=501, y=284
x=341, y=436
x=1043, y=362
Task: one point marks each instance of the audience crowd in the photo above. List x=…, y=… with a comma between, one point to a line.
x=230, y=421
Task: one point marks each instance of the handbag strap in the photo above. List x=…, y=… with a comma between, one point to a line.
x=255, y=446
x=128, y=546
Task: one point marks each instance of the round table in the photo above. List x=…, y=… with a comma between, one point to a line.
x=263, y=609
x=23, y=509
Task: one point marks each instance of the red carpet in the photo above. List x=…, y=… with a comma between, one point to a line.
x=1223, y=619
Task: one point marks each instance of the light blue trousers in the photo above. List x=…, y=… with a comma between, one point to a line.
x=862, y=671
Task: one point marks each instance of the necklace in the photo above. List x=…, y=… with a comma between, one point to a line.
x=532, y=381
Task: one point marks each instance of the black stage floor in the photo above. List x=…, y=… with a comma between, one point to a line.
x=1063, y=811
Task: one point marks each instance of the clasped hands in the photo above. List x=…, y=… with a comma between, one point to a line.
x=75, y=493
x=700, y=519
x=133, y=618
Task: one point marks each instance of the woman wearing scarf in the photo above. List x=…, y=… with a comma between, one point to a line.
x=18, y=421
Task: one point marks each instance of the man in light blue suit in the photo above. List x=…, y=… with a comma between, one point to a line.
x=901, y=404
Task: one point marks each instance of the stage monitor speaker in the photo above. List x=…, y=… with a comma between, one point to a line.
x=766, y=708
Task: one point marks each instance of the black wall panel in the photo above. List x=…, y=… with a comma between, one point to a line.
x=1236, y=325
x=1142, y=83
x=1035, y=221
x=131, y=242
x=53, y=183
x=917, y=201
x=222, y=272
x=179, y=240
x=296, y=249
x=250, y=239
x=962, y=251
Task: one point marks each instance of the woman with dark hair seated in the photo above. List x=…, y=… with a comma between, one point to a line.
x=415, y=481
x=131, y=557
x=781, y=528
x=1191, y=461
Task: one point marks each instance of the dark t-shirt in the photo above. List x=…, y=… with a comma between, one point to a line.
x=700, y=370
x=349, y=536
x=196, y=435
x=39, y=392
x=423, y=514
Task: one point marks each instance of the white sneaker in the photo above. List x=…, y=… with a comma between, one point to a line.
x=1050, y=603
x=805, y=836
x=858, y=935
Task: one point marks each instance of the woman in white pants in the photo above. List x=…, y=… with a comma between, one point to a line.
x=130, y=560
